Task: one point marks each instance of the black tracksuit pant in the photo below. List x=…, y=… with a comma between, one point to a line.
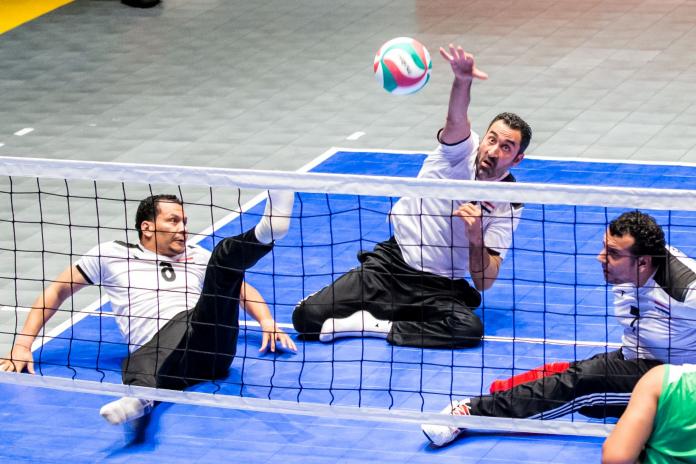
x=427, y=310
x=597, y=387
x=200, y=344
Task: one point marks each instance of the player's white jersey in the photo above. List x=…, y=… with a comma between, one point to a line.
x=146, y=289
x=659, y=318
x=431, y=239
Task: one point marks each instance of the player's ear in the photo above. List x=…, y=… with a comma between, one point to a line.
x=147, y=228
x=644, y=261
x=518, y=158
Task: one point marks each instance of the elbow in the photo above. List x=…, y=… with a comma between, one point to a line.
x=483, y=284
x=612, y=455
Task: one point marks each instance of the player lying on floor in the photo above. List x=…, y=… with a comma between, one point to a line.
x=176, y=305
x=654, y=300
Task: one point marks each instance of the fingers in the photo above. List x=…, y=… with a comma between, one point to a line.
x=291, y=345
x=468, y=210
x=30, y=367
x=478, y=74
x=446, y=55
x=264, y=341
x=462, y=61
x=13, y=366
x=286, y=342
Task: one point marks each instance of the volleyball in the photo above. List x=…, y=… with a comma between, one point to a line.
x=402, y=66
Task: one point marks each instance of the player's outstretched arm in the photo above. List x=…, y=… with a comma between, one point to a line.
x=628, y=438
x=272, y=335
x=457, y=125
x=44, y=307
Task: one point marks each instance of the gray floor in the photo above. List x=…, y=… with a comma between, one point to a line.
x=273, y=84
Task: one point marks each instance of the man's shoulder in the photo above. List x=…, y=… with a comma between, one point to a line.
x=117, y=249
x=677, y=275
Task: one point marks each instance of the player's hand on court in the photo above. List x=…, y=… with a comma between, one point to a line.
x=18, y=359
x=462, y=63
x=471, y=214
x=274, y=337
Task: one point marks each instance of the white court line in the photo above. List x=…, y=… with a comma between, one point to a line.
x=486, y=338
x=355, y=135
x=15, y=309
x=24, y=131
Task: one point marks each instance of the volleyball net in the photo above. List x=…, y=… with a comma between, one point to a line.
x=549, y=304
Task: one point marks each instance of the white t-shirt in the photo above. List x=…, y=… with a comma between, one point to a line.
x=659, y=318
x=146, y=290
x=431, y=239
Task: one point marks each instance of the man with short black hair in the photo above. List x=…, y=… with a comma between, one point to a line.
x=412, y=289
x=655, y=302
x=177, y=305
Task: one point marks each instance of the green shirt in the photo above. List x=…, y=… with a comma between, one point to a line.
x=673, y=439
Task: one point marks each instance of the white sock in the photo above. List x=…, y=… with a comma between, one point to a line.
x=125, y=409
x=276, y=217
x=358, y=324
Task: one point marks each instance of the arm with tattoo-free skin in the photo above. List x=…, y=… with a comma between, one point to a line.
x=44, y=307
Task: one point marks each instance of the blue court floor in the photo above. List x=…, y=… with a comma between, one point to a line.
x=551, y=279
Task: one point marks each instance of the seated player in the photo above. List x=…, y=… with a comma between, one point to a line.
x=177, y=305
x=655, y=301
x=659, y=425
x=412, y=289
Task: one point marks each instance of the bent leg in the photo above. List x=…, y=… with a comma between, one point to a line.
x=445, y=323
x=340, y=299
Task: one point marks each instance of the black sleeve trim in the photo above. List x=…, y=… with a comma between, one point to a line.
x=450, y=144
x=89, y=281
x=125, y=245
x=675, y=278
x=493, y=252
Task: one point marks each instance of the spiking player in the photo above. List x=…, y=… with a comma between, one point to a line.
x=412, y=289
x=654, y=300
x=177, y=305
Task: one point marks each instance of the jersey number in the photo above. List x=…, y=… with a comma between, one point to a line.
x=167, y=272
x=635, y=312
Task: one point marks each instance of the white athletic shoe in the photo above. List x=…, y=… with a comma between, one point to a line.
x=440, y=435
x=125, y=409
x=358, y=324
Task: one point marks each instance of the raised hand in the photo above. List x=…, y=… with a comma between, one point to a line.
x=471, y=215
x=462, y=63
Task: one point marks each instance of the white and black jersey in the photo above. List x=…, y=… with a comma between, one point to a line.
x=659, y=318
x=146, y=289
x=431, y=239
